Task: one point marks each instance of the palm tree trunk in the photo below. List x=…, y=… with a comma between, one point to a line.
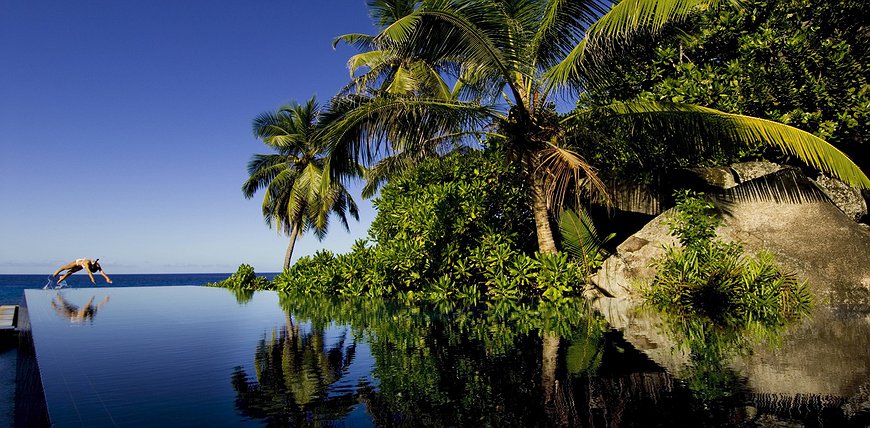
x=293, y=234
x=541, y=210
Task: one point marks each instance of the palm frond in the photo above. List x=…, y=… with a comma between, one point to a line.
x=703, y=127
x=580, y=238
x=362, y=127
x=363, y=42
x=624, y=20
x=386, y=12
x=262, y=169
x=566, y=172
x=562, y=26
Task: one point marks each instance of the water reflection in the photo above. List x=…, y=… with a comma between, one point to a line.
x=294, y=371
x=77, y=314
x=510, y=364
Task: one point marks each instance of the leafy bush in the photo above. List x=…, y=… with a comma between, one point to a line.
x=710, y=278
x=243, y=279
x=453, y=231
x=799, y=62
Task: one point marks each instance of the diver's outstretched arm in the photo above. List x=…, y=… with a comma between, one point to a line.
x=106, y=276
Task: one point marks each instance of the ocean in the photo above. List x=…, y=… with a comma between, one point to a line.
x=12, y=286
x=12, y=293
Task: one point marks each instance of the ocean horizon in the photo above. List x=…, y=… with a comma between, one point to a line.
x=12, y=286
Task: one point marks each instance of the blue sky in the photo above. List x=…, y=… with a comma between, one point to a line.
x=125, y=127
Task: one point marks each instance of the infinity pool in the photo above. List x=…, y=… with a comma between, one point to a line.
x=158, y=356
x=200, y=356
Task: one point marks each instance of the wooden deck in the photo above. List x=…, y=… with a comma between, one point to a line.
x=8, y=317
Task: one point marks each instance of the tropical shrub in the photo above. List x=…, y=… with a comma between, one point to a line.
x=244, y=279
x=717, y=301
x=799, y=62
x=716, y=280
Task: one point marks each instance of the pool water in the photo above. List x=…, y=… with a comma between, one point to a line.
x=156, y=356
x=200, y=356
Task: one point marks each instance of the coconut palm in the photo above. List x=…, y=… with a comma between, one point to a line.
x=387, y=71
x=297, y=199
x=515, y=57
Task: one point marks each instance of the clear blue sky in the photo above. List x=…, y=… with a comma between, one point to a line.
x=125, y=127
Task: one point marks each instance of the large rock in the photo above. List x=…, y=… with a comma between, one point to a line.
x=748, y=171
x=814, y=239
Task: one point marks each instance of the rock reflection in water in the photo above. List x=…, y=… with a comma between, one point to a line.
x=813, y=369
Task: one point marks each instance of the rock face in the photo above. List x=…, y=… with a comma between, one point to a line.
x=846, y=198
x=747, y=171
x=813, y=239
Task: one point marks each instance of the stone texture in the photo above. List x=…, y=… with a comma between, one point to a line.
x=815, y=240
x=848, y=199
x=627, y=269
x=718, y=177
x=746, y=171
x=822, y=359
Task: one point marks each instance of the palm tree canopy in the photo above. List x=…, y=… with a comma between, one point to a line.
x=293, y=177
x=511, y=56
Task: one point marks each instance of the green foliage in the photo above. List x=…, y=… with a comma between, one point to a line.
x=718, y=301
x=694, y=221
x=453, y=231
x=798, y=62
x=580, y=238
x=716, y=280
x=299, y=195
x=244, y=279
x=451, y=368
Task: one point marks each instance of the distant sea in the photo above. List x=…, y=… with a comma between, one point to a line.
x=12, y=286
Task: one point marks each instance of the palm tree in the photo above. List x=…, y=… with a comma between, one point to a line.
x=514, y=57
x=297, y=198
x=388, y=72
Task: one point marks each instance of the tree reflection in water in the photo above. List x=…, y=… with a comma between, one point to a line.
x=505, y=364
x=294, y=372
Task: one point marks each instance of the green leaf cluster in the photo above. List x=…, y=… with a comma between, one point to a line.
x=718, y=301
x=244, y=279
x=454, y=230
x=803, y=63
x=456, y=368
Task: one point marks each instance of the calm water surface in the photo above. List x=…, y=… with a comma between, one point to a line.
x=12, y=293
x=195, y=356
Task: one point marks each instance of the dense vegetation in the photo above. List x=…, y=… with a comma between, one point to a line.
x=452, y=230
x=478, y=173
x=706, y=277
x=717, y=300
x=798, y=62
